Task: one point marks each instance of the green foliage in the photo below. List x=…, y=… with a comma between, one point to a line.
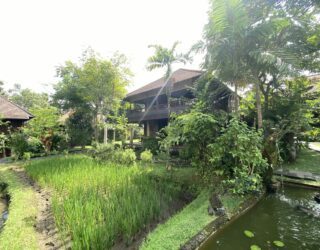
x=195, y=131
x=45, y=125
x=27, y=98
x=146, y=156
x=125, y=157
x=95, y=85
x=116, y=202
x=79, y=128
x=150, y=143
x=19, y=144
x=26, y=156
x=102, y=152
x=238, y=153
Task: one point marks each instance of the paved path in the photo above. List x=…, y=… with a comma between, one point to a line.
x=298, y=174
x=314, y=146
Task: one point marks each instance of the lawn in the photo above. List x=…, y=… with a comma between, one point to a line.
x=99, y=205
x=308, y=160
x=18, y=232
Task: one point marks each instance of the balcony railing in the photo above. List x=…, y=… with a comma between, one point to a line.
x=156, y=112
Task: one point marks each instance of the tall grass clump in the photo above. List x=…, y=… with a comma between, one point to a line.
x=99, y=204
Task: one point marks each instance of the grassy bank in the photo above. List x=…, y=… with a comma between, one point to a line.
x=18, y=232
x=181, y=227
x=99, y=205
x=308, y=160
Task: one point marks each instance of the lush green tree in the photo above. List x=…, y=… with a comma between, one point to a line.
x=237, y=152
x=95, y=84
x=195, y=131
x=45, y=125
x=79, y=128
x=224, y=43
x=27, y=98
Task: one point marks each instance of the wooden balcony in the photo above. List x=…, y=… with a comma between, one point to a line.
x=155, y=112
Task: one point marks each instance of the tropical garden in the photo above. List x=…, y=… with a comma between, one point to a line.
x=206, y=167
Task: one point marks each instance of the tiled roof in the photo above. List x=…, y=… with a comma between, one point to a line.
x=177, y=76
x=9, y=110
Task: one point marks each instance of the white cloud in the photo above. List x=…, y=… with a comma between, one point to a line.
x=37, y=35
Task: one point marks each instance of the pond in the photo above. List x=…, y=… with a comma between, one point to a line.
x=275, y=217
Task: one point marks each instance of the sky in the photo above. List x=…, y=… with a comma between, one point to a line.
x=38, y=35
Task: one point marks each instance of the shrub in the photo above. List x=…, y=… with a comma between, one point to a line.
x=26, y=156
x=238, y=153
x=125, y=157
x=151, y=144
x=146, y=156
x=102, y=152
x=19, y=144
x=34, y=145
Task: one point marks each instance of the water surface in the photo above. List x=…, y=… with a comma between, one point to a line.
x=274, y=218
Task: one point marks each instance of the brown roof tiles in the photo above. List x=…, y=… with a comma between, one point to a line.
x=11, y=111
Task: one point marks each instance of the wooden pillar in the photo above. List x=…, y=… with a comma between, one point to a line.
x=105, y=135
x=148, y=128
x=131, y=136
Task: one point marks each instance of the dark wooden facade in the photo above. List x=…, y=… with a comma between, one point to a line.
x=13, y=117
x=150, y=104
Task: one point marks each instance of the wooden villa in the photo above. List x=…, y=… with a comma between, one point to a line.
x=150, y=105
x=13, y=116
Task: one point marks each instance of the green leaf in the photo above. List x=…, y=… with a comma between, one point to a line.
x=249, y=234
x=278, y=243
x=255, y=247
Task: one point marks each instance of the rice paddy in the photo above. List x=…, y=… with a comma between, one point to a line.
x=97, y=205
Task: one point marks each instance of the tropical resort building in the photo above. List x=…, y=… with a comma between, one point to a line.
x=150, y=102
x=12, y=117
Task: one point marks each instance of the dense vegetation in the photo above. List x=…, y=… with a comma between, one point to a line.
x=98, y=205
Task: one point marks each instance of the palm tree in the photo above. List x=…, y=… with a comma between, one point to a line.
x=225, y=43
x=165, y=58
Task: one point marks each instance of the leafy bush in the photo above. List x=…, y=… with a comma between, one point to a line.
x=34, y=145
x=238, y=153
x=102, y=152
x=26, y=156
x=146, y=156
x=150, y=143
x=195, y=131
x=124, y=157
x=19, y=144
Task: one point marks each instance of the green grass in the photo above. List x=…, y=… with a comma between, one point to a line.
x=308, y=160
x=99, y=205
x=18, y=232
x=181, y=227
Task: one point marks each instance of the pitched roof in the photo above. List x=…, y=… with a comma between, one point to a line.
x=177, y=76
x=11, y=111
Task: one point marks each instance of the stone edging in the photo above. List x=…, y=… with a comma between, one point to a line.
x=219, y=223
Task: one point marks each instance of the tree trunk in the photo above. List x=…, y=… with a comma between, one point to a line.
x=114, y=135
x=105, y=134
x=236, y=103
x=258, y=105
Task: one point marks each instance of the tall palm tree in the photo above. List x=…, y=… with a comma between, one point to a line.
x=165, y=58
x=225, y=42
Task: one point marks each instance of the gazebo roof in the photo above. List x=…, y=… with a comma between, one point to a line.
x=12, y=111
